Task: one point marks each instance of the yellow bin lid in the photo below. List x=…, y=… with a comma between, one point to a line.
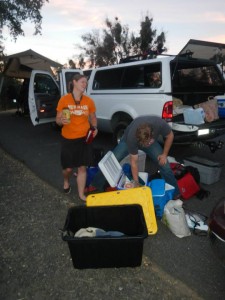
x=140, y=195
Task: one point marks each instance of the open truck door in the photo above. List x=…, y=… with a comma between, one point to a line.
x=43, y=98
x=44, y=93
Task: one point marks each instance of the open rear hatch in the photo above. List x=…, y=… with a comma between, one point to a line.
x=204, y=50
x=196, y=76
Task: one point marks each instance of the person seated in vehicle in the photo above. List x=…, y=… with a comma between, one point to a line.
x=155, y=80
x=143, y=133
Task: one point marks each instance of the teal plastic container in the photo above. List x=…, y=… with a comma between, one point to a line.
x=162, y=192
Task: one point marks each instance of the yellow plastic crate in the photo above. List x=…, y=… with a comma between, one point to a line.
x=141, y=196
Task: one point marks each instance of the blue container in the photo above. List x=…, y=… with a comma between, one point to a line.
x=221, y=107
x=91, y=172
x=162, y=192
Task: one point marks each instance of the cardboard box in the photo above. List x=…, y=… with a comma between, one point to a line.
x=209, y=170
x=141, y=196
x=106, y=251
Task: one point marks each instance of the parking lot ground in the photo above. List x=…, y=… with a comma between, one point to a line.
x=36, y=263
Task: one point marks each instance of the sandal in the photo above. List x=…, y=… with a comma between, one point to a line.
x=82, y=199
x=67, y=191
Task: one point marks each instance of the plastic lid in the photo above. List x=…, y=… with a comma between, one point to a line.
x=158, y=187
x=110, y=168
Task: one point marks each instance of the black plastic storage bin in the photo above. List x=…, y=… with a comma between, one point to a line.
x=106, y=252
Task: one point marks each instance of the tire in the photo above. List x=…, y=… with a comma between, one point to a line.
x=119, y=131
x=218, y=247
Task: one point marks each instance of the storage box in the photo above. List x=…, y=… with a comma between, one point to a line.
x=194, y=116
x=162, y=192
x=106, y=251
x=113, y=171
x=141, y=196
x=221, y=106
x=209, y=170
x=141, y=160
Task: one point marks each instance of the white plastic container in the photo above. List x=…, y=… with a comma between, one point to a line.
x=209, y=170
x=194, y=116
x=113, y=171
x=141, y=160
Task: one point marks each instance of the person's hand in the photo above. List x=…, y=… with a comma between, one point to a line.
x=162, y=159
x=95, y=132
x=65, y=121
x=135, y=183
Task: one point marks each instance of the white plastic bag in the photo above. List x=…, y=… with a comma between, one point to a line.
x=174, y=217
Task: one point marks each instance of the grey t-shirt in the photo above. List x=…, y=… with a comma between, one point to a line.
x=158, y=125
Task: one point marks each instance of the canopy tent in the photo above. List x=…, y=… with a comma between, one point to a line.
x=21, y=64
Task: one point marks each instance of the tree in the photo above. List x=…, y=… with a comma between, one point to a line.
x=72, y=64
x=116, y=43
x=149, y=43
x=14, y=12
x=108, y=48
x=12, y=15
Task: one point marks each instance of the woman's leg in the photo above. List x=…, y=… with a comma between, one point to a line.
x=66, y=165
x=81, y=181
x=66, y=177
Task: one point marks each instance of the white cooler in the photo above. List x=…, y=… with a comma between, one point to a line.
x=113, y=172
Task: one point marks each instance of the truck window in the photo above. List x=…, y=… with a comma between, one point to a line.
x=139, y=76
x=130, y=77
x=43, y=84
x=69, y=76
x=196, y=77
x=87, y=73
x=133, y=77
x=108, y=79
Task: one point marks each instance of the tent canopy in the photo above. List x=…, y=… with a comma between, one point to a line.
x=21, y=64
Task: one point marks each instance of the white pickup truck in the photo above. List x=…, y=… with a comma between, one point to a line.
x=122, y=92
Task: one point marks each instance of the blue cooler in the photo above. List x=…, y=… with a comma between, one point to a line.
x=221, y=106
x=162, y=192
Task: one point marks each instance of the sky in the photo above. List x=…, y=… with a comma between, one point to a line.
x=65, y=21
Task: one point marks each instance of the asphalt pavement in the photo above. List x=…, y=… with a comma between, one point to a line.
x=36, y=263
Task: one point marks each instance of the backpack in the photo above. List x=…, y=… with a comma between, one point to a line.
x=188, y=180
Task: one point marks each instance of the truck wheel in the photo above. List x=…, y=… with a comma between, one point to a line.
x=119, y=131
